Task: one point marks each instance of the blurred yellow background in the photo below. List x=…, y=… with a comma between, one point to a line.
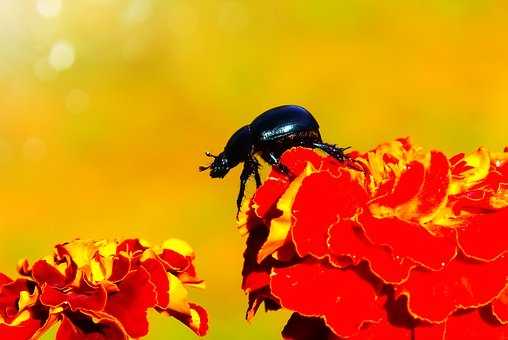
x=106, y=108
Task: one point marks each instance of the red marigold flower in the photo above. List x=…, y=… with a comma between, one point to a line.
x=101, y=290
x=395, y=243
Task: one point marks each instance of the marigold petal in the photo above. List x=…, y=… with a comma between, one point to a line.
x=80, y=326
x=135, y=295
x=485, y=236
x=473, y=325
x=159, y=279
x=313, y=289
x=409, y=239
x=83, y=297
x=131, y=246
x=255, y=280
x=321, y=200
x=463, y=283
x=254, y=273
x=179, y=246
x=4, y=279
x=120, y=267
x=281, y=225
x=175, y=261
x=267, y=195
x=197, y=319
x=81, y=251
x=435, y=185
x=23, y=331
x=408, y=186
x=178, y=295
x=500, y=306
x=45, y=273
x=296, y=160
x=347, y=239
x=10, y=294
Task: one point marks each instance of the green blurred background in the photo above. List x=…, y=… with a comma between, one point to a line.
x=106, y=108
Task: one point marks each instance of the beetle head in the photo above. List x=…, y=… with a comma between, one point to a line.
x=219, y=167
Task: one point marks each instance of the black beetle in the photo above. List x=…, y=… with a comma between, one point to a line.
x=269, y=135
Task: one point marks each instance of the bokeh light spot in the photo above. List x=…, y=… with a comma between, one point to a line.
x=61, y=56
x=49, y=8
x=137, y=11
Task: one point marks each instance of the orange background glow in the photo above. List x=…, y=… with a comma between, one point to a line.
x=107, y=106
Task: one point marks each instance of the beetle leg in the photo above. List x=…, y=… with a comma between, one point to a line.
x=274, y=161
x=257, y=177
x=332, y=150
x=244, y=177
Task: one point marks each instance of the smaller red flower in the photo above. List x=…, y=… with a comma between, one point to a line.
x=101, y=290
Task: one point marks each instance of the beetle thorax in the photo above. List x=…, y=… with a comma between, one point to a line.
x=238, y=147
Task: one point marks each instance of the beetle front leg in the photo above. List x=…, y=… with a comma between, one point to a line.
x=244, y=177
x=332, y=150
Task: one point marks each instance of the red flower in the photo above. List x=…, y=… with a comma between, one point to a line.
x=100, y=290
x=395, y=243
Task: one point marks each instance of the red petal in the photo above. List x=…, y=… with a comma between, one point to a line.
x=500, y=306
x=267, y=195
x=197, y=320
x=342, y=297
x=472, y=325
x=83, y=297
x=408, y=186
x=436, y=182
x=386, y=330
x=455, y=159
x=485, y=236
x=9, y=297
x=174, y=260
x=296, y=160
x=255, y=280
x=159, y=278
x=4, y=279
x=121, y=267
x=462, y=283
x=407, y=239
x=347, y=239
x=44, y=273
x=321, y=199
x=255, y=275
x=131, y=246
x=136, y=294
x=406, y=143
x=23, y=331
x=76, y=326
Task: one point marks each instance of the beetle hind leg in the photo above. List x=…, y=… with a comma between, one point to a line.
x=249, y=168
x=275, y=162
x=244, y=177
x=333, y=150
x=257, y=177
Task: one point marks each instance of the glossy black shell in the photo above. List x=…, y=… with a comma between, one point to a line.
x=239, y=146
x=281, y=121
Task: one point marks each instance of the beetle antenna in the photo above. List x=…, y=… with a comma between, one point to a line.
x=203, y=168
x=209, y=154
